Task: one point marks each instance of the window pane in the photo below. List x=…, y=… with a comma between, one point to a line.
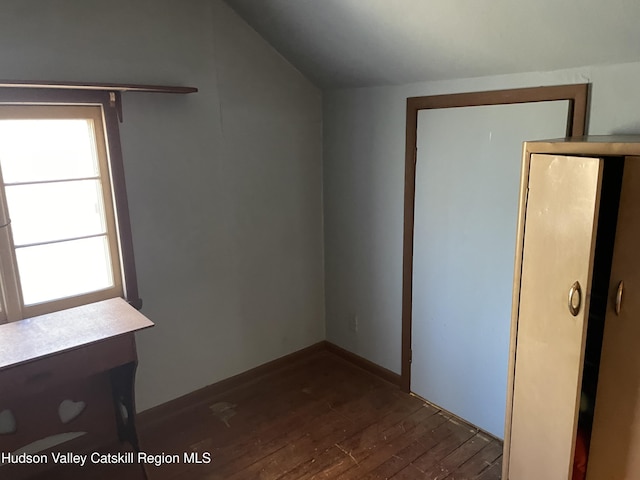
x=59, y=270
x=34, y=150
x=55, y=211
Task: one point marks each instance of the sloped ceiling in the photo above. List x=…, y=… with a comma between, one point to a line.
x=346, y=43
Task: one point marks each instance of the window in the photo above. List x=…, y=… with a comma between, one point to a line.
x=63, y=240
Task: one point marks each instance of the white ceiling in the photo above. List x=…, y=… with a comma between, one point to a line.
x=341, y=43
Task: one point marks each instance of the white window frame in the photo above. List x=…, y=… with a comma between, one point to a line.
x=106, y=108
x=12, y=298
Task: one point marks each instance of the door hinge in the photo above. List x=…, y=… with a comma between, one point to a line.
x=410, y=356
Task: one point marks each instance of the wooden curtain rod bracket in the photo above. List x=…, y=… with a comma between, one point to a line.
x=115, y=101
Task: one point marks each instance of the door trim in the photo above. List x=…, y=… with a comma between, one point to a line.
x=577, y=96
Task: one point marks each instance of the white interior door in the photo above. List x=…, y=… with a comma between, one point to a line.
x=466, y=207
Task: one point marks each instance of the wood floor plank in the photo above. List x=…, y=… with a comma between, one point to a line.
x=337, y=397
x=319, y=418
x=482, y=460
x=237, y=456
x=322, y=433
x=319, y=435
x=252, y=430
x=494, y=472
x=248, y=408
x=410, y=472
x=430, y=460
x=259, y=435
x=395, y=439
x=456, y=458
x=436, y=443
x=403, y=407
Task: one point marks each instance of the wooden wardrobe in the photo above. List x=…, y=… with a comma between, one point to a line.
x=574, y=370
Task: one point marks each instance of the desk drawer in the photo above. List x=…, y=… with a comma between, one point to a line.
x=37, y=376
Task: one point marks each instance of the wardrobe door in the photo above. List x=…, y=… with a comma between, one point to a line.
x=615, y=440
x=559, y=242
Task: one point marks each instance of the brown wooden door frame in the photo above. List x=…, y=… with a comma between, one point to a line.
x=577, y=97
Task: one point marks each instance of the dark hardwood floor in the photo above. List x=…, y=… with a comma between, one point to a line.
x=318, y=418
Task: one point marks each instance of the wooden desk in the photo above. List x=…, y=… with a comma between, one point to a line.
x=83, y=354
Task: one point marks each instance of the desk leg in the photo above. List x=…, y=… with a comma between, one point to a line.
x=123, y=387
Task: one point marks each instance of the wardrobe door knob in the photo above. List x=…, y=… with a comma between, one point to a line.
x=575, y=298
x=619, y=297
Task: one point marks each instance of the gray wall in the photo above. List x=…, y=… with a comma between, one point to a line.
x=364, y=136
x=224, y=185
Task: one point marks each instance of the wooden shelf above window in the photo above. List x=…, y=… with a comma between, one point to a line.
x=120, y=87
